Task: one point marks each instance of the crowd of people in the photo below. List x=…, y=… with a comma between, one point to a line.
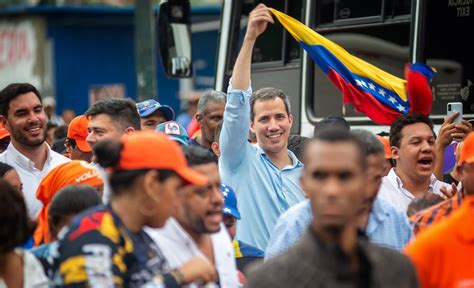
x=132, y=196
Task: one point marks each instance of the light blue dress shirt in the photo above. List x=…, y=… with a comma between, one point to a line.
x=386, y=227
x=263, y=191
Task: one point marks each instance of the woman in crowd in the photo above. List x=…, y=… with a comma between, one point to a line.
x=15, y=229
x=107, y=245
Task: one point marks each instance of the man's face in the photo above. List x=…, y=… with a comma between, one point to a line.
x=271, y=125
x=229, y=223
x=151, y=121
x=416, y=155
x=101, y=127
x=199, y=208
x=210, y=118
x=375, y=172
x=26, y=121
x=335, y=183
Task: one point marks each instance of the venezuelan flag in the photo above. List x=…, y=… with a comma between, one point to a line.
x=379, y=95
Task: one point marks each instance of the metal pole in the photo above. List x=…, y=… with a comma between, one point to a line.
x=145, y=50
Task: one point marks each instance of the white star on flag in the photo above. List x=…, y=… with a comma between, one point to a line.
x=372, y=86
x=401, y=108
x=382, y=92
x=358, y=82
x=393, y=100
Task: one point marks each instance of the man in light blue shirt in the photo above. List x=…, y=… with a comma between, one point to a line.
x=266, y=175
x=383, y=224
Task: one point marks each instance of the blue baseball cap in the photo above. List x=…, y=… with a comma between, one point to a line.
x=147, y=107
x=174, y=130
x=230, y=201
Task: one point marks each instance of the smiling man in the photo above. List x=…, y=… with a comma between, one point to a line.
x=265, y=175
x=412, y=141
x=22, y=114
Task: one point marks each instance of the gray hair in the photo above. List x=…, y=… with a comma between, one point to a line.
x=372, y=145
x=266, y=94
x=210, y=96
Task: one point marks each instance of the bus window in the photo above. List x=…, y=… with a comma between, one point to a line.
x=450, y=54
x=268, y=45
x=385, y=46
x=346, y=9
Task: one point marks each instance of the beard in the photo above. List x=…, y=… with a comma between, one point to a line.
x=20, y=136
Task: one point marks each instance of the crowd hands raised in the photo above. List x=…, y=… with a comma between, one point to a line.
x=116, y=205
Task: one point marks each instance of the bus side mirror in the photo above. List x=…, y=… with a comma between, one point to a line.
x=175, y=38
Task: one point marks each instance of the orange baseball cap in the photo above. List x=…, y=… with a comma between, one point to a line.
x=78, y=131
x=467, y=150
x=150, y=150
x=386, y=146
x=4, y=133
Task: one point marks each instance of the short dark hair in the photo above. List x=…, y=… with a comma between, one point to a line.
x=12, y=91
x=403, y=121
x=16, y=226
x=4, y=168
x=122, y=111
x=372, y=145
x=107, y=155
x=268, y=93
x=335, y=136
x=72, y=199
x=332, y=122
x=196, y=155
x=296, y=145
x=422, y=203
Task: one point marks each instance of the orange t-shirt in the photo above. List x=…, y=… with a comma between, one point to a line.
x=444, y=254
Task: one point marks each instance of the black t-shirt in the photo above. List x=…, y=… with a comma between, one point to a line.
x=98, y=250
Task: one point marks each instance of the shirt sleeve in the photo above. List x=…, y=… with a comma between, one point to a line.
x=284, y=236
x=235, y=128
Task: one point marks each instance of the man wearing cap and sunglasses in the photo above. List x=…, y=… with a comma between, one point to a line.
x=153, y=113
x=76, y=144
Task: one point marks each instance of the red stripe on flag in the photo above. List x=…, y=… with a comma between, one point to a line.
x=363, y=101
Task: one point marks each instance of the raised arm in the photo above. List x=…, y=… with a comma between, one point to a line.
x=258, y=21
x=233, y=138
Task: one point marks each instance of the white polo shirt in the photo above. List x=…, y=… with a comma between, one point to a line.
x=30, y=176
x=178, y=248
x=393, y=192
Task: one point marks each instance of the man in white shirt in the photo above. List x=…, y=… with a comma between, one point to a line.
x=197, y=229
x=22, y=114
x=412, y=142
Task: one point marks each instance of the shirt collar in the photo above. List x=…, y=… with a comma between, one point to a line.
x=392, y=175
x=296, y=163
x=25, y=162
